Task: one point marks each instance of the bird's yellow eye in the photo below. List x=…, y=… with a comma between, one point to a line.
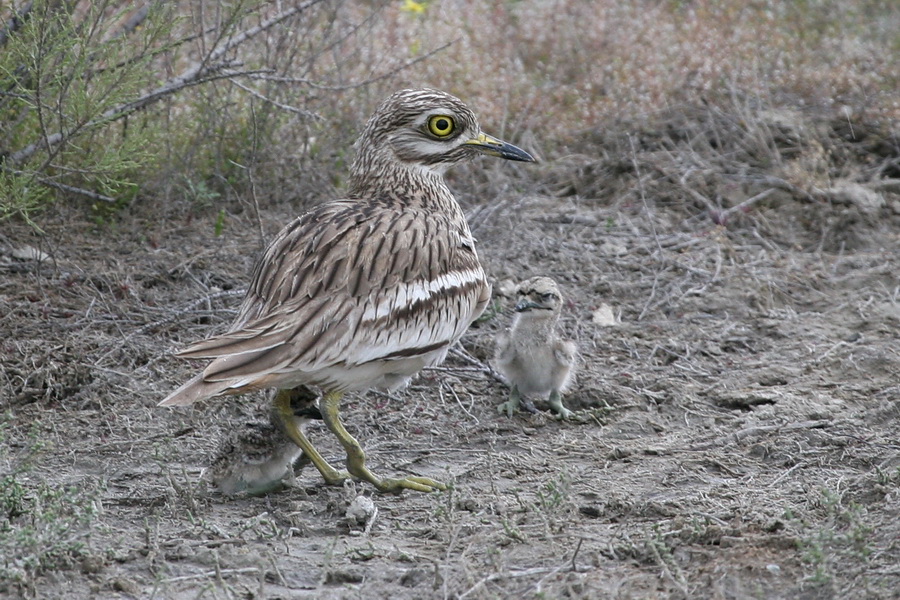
x=441, y=125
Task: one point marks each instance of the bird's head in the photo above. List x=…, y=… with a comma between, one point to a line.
x=539, y=297
x=428, y=129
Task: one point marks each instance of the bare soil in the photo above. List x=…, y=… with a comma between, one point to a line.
x=737, y=416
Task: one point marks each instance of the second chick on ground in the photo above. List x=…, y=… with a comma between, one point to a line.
x=258, y=459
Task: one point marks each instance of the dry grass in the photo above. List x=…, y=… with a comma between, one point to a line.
x=552, y=74
x=735, y=438
x=546, y=74
x=559, y=67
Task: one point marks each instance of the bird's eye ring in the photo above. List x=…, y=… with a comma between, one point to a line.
x=548, y=296
x=441, y=125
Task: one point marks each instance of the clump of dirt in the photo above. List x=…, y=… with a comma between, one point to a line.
x=731, y=282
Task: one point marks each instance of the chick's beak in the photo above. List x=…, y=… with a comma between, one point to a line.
x=525, y=304
x=494, y=147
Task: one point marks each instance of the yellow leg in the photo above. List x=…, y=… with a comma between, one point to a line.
x=356, y=458
x=283, y=411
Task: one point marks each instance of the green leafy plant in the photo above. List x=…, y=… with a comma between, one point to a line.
x=42, y=526
x=69, y=78
x=104, y=100
x=844, y=533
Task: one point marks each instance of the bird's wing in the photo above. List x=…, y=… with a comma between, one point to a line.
x=565, y=352
x=348, y=283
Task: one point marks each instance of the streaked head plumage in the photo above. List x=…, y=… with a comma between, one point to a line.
x=427, y=128
x=538, y=295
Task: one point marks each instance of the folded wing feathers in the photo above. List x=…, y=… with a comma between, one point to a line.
x=313, y=296
x=193, y=390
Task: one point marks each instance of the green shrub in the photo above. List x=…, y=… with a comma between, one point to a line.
x=42, y=526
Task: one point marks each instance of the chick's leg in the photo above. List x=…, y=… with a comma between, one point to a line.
x=512, y=405
x=283, y=414
x=556, y=404
x=356, y=458
x=515, y=402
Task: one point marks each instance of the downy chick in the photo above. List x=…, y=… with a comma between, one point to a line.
x=256, y=460
x=531, y=355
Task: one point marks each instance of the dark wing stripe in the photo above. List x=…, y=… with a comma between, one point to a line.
x=410, y=352
x=425, y=306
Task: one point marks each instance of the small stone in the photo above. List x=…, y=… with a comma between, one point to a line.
x=340, y=577
x=125, y=586
x=604, y=316
x=730, y=541
x=506, y=288
x=29, y=253
x=362, y=511
x=467, y=503
x=413, y=578
x=612, y=249
x=851, y=193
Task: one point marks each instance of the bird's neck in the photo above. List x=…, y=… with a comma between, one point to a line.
x=535, y=325
x=380, y=175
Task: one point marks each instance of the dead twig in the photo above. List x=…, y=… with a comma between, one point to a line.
x=363, y=83
x=459, y=352
x=69, y=188
x=510, y=574
x=743, y=206
x=786, y=473
x=750, y=432
x=459, y=402
x=276, y=104
x=188, y=309
x=575, y=554
x=209, y=574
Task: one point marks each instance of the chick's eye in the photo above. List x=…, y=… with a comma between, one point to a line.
x=548, y=296
x=440, y=125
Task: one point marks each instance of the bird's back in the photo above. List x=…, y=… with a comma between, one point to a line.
x=350, y=295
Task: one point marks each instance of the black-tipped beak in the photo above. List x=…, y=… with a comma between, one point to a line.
x=494, y=147
x=525, y=305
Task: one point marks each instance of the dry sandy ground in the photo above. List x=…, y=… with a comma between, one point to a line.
x=736, y=431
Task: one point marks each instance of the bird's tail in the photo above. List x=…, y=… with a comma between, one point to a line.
x=195, y=389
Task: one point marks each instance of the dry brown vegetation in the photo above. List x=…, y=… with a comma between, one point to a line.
x=721, y=177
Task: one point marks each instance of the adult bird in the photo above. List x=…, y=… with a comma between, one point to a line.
x=362, y=292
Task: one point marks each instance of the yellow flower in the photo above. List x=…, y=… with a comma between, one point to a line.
x=416, y=8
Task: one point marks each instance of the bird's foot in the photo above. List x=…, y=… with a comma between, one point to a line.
x=509, y=407
x=332, y=476
x=357, y=466
x=561, y=411
x=418, y=484
x=356, y=458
